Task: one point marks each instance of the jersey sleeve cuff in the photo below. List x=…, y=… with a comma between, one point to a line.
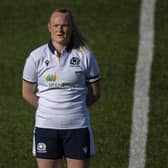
x=29, y=81
x=93, y=79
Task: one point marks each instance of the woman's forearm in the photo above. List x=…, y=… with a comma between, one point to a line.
x=29, y=93
x=93, y=93
x=31, y=99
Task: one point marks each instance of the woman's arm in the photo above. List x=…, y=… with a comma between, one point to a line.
x=29, y=93
x=93, y=93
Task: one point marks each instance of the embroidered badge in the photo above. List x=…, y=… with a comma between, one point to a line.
x=41, y=147
x=75, y=61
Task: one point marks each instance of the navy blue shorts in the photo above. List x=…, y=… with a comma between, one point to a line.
x=56, y=144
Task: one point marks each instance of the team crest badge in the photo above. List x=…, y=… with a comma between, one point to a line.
x=41, y=147
x=75, y=61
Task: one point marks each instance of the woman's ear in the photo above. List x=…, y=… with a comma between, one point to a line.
x=49, y=27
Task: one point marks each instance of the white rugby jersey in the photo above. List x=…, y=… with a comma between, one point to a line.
x=62, y=85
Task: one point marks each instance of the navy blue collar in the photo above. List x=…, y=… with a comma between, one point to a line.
x=52, y=48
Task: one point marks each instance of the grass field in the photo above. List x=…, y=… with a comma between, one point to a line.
x=158, y=135
x=112, y=30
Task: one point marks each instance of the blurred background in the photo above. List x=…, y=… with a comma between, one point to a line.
x=112, y=31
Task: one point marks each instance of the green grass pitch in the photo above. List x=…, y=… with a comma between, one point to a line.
x=112, y=30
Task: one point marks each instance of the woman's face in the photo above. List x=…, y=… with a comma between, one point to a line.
x=59, y=27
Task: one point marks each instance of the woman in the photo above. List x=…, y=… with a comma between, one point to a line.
x=61, y=79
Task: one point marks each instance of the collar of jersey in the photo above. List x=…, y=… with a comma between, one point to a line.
x=52, y=48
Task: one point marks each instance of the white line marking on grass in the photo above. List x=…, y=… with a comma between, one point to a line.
x=142, y=84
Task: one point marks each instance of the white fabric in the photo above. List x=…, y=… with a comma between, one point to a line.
x=61, y=86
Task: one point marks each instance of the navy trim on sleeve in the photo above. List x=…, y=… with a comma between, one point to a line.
x=94, y=77
x=29, y=81
x=88, y=82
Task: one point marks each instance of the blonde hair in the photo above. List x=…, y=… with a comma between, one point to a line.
x=77, y=40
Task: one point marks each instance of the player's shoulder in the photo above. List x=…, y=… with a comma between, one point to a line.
x=84, y=52
x=39, y=52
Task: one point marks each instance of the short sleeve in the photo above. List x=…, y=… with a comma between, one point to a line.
x=29, y=71
x=93, y=72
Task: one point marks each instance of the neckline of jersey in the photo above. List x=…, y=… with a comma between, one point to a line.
x=53, y=50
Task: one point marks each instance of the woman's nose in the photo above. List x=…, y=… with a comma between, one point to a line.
x=60, y=28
